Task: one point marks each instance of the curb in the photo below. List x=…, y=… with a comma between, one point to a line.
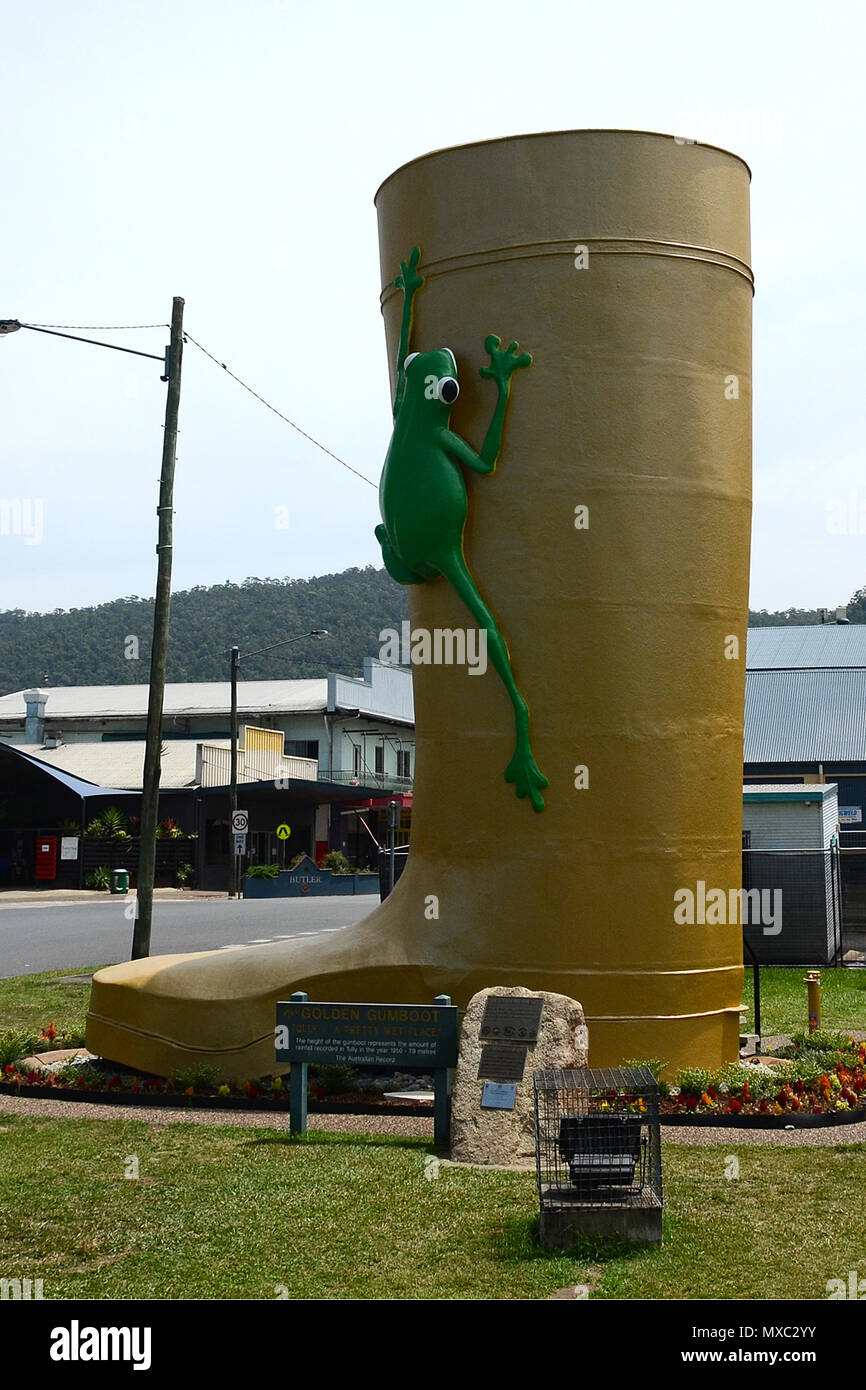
x=183, y=1102
x=792, y=1120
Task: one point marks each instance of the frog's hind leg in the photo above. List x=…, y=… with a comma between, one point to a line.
x=393, y=565
x=523, y=770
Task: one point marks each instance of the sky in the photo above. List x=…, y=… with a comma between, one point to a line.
x=229, y=152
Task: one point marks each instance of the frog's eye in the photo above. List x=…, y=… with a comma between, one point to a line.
x=410, y=358
x=448, y=389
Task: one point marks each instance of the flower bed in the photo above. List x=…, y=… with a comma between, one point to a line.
x=820, y=1079
x=198, y=1088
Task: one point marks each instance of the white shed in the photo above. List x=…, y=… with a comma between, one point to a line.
x=789, y=815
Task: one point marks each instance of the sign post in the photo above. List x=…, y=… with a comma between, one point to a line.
x=441, y=1085
x=298, y=1085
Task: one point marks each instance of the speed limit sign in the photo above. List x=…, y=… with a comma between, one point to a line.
x=240, y=822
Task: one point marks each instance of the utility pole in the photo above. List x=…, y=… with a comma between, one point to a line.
x=393, y=819
x=235, y=655
x=233, y=773
x=161, y=609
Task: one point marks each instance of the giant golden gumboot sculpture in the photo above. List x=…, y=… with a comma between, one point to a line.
x=610, y=548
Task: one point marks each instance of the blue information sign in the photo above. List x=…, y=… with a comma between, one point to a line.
x=495, y=1096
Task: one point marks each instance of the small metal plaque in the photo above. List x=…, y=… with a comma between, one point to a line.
x=501, y=1062
x=496, y=1097
x=511, y=1018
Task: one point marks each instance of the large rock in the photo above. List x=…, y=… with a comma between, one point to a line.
x=508, y=1136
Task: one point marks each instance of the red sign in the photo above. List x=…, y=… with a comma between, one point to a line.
x=46, y=856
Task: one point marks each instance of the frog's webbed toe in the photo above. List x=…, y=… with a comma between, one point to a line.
x=527, y=777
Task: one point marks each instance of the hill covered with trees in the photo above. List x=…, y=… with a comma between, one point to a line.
x=92, y=646
x=806, y=617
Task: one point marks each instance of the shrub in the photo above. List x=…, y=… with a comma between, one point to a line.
x=655, y=1065
x=761, y=1084
x=14, y=1044
x=110, y=824
x=81, y=1074
x=693, y=1081
x=263, y=871
x=336, y=862
x=334, y=1081
x=183, y=872
x=195, y=1079
x=168, y=830
x=98, y=878
x=822, y=1040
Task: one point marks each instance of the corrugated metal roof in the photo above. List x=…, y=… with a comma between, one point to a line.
x=193, y=698
x=118, y=764
x=796, y=648
x=80, y=786
x=786, y=791
x=805, y=716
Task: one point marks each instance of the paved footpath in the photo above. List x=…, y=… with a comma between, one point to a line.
x=407, y=1125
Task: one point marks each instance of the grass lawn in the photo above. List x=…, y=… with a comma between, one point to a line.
x=225, y=1212
x=30, y=1002
x=783, y=1000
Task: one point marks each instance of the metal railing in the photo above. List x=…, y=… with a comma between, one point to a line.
x=795, y=906
x=381, y=781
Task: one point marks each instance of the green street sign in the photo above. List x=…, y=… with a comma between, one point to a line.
x=283, y=832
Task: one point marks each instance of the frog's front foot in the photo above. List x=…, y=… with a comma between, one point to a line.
x=503, y=361
x=409, y=281
x=527, y=777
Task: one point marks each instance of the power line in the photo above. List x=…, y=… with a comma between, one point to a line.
x=188, y=336
x=124, y=327
x=99, y=327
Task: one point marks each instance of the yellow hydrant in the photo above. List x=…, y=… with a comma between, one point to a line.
x=812, y=982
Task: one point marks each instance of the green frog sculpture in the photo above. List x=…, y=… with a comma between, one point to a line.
x=423, y=500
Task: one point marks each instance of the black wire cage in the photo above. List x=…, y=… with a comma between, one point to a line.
x=598, y=1154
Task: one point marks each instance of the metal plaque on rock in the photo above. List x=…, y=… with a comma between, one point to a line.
x=511, y=1018
x=501, y=1062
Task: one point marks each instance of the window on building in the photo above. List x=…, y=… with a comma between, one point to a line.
x=356, y=762
x=380, y=760
x=303, y=748
x=403, y=762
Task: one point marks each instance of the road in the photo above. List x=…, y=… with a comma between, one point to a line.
x=36, y=937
